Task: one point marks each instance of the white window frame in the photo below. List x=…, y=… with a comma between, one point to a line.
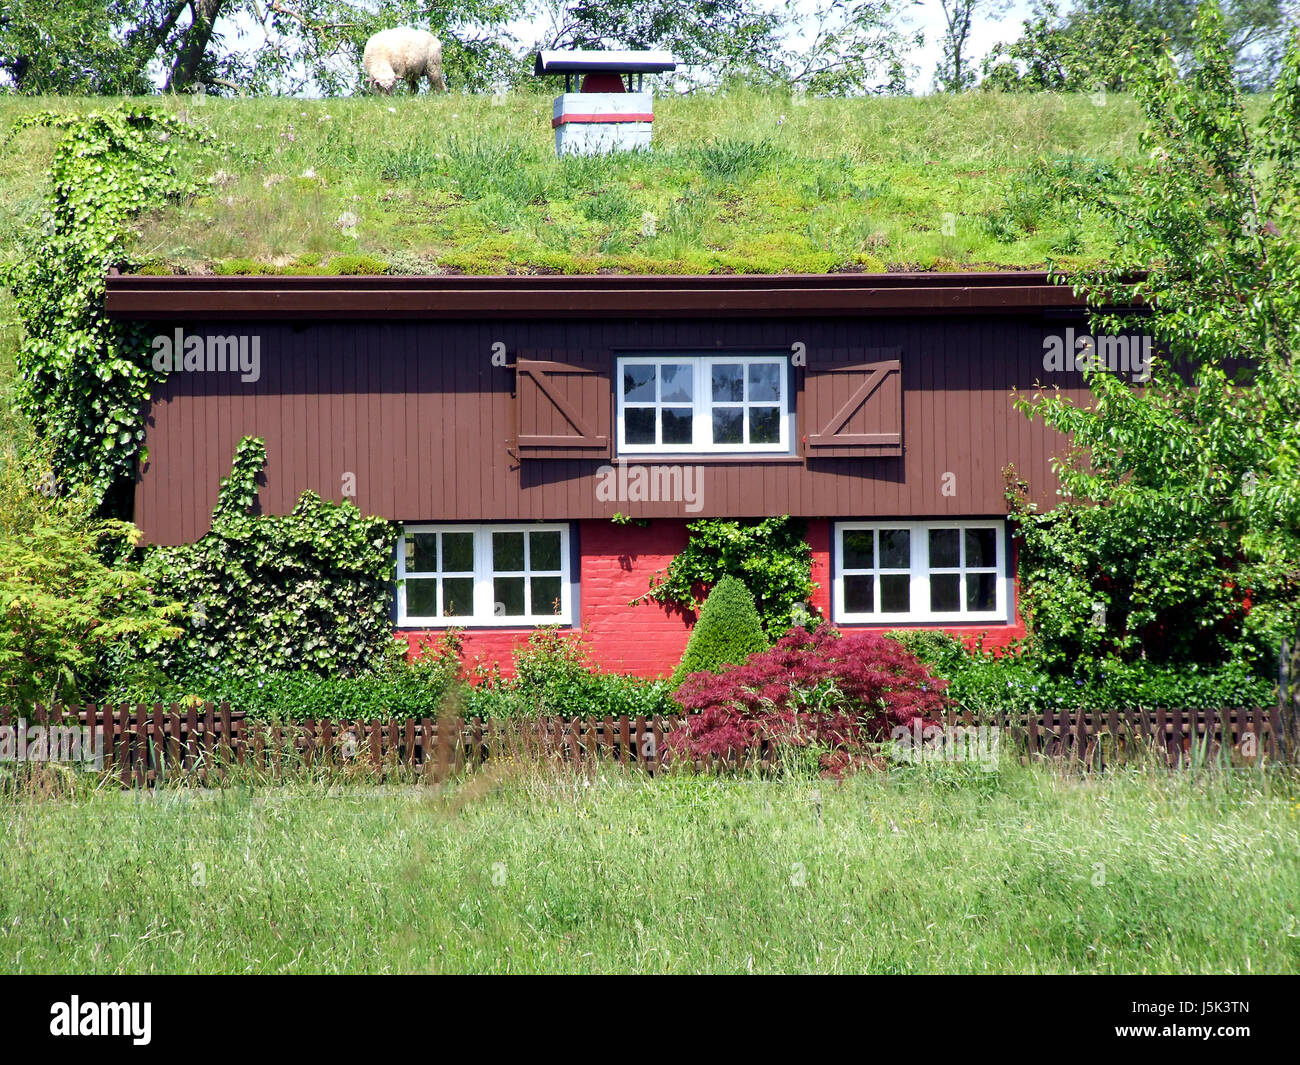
x=702, y=404
x=483, y=574
x=919, y=573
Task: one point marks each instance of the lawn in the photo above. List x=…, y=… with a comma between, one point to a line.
x=921, y=870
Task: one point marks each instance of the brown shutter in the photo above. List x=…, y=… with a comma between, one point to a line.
x=561, y=408
x=855, y=409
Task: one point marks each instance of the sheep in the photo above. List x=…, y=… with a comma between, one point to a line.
x=403, y=54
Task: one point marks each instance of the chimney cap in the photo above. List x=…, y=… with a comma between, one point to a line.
x=586, y=61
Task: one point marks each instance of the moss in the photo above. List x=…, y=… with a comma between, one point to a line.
x=355, y=264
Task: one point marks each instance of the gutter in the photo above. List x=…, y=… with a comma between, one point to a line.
x=190, y=297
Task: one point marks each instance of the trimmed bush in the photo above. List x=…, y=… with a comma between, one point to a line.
x=727, y=633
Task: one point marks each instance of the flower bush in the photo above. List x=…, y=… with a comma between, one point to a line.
x=861, y=687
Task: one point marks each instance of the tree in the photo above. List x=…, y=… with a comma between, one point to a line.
x=227, y=46
x=1101, y=43
x=836, y=48
x=1191, y=482
x=68, y=602
x=956, y=72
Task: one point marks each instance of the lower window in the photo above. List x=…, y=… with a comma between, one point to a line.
x=920, y=572
x=484, y=575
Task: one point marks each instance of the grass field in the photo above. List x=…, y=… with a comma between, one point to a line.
x=738, y=182
x=1024, y=870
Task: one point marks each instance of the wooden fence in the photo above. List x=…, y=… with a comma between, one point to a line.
x=143, y=744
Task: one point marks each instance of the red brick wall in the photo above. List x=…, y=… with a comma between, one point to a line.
x=616, y=564
x=648, y=639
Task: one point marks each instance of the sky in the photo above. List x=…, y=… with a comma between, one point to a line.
x=985, y=33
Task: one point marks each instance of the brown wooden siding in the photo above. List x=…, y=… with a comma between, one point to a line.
x=425, y=422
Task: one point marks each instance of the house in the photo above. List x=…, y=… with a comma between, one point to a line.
x=507, y=421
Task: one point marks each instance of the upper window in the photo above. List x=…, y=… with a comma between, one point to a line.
x=484, y=575
x=916, y=572
x=704, y=403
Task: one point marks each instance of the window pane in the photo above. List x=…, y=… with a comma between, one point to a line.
x=764, y=425
x=895, y=549
x=507, y=551
x=457, y=597
x=639, y=383
x=676, y=383
x=457, y=552
x=543, y=550
x=859, y=549
x=422, y=598
x=945, y=592
x=981, y=548
x=508, y=597
x=764, y=383
x=895, y=593
x=981, y=591
x=639, y=425
x=677, y=425
x=859, y=594
x=422, y=552
x=945, y=547
x=546, y=595
x=728, y=383
x=728, y=425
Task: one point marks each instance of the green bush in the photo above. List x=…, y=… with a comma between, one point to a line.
x=554, y=675
x=278, y=593
x=420, y=687
x=728, y=632
x=1020, y=680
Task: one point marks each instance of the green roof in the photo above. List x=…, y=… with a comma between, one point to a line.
x=735, y=183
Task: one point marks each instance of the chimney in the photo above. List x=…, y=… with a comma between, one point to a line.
x=606, y=113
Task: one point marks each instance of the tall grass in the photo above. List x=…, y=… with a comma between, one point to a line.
x=917, y=870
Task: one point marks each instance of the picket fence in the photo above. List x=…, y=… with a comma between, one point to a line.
x=143, y=744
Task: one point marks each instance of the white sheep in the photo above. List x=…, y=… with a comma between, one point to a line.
x=404, y=54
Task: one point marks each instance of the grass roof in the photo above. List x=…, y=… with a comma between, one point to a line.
x=735, y=183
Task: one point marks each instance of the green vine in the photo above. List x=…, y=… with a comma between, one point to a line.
x=84, y=380
x=771, y=557
x=306, y=590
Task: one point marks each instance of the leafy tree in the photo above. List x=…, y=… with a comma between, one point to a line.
x=68, y=602
x=236, y=46
x=1102, y=43
x=1180, y=534
x=836, y=48
x=727, y=633
x=956, y=72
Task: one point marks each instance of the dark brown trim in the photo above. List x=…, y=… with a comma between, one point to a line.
x=181, y=298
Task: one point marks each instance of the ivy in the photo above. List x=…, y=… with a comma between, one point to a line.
x=306, y=590
x=84, y=380
x=771, y=557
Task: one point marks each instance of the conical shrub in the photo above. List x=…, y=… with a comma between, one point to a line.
x=727, y=632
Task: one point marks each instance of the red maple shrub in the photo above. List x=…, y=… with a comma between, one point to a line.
x=841, y=692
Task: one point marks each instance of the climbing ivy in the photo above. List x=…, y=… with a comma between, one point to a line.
x=83, y=379
x=306, y=590
x=771, y=557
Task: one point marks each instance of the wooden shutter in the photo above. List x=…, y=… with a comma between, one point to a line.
x=561, y=408
x=854, y=409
